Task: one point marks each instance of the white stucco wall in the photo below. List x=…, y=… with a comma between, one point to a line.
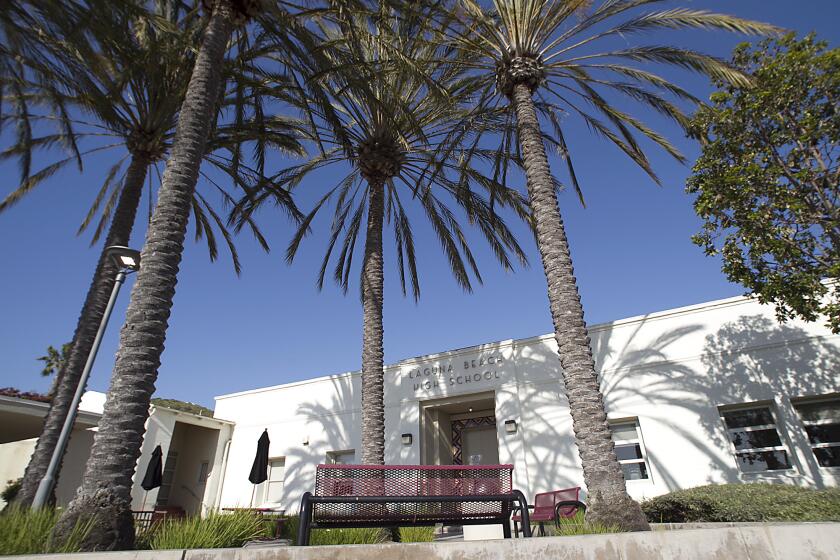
x=670, y=370
x=196, y=446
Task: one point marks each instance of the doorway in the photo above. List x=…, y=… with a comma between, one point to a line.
x=459, y=430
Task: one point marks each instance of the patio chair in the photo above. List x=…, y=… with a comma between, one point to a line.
x=551, y=506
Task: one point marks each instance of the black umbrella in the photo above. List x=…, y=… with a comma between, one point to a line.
x=154, y=472
x=259, y=470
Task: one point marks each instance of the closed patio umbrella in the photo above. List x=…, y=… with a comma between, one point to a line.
x=154, y=473
x=259, y=470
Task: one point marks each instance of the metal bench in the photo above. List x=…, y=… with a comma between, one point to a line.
x=551, y=506
x=406, y=495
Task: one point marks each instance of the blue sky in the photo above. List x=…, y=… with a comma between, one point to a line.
x=631, y=247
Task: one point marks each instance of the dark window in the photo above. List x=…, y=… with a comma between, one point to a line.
x=755, y=440
x=822, y=424
x=628, y=449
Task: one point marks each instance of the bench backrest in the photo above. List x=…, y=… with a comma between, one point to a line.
x=547, y=501
x=413, y=480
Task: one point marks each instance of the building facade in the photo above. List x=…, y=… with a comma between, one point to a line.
x=719, y=392
x=713, y=393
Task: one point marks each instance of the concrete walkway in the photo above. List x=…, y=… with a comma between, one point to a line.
x=793, y=541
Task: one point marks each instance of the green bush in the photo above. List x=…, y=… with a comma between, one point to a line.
x=217, y=530
x=355, y=536
x=576, y=525
x=744, y=502
x=24, y=531
x=11, y=490
x=417, y=534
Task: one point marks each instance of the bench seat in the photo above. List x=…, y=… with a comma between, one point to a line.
x=404, y=495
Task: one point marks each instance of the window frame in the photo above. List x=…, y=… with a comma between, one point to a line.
x=805, y=423
x=332, y=455
x=268, y=481
x=783, y=445
x=639, y=440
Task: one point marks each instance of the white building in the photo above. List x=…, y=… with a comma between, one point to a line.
x=712, y=393
x=193, y=446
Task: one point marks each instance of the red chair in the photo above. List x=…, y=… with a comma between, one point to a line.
x=551, y=506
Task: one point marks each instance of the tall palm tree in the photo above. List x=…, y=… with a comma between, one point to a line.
x=105, y=494
x=388, y=103
x=111, y=75
x=544, y=58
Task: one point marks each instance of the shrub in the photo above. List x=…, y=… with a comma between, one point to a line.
x=24, y=531
x=217, y=530
x=417, y=534
x=576, y=525
x=355, y=536
x=11, y=490
x=744, y=502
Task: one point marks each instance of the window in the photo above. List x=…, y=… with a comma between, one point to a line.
x=276, y=479
x=629, y=449
x=822, y=424
x=755, y=439
x=168, y=475
x=347, y=457
x=203, y=471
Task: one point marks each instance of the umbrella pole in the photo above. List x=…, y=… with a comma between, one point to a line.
x=145, y=494
x=253, y=491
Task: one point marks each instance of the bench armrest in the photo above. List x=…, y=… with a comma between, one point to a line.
x=566, y=503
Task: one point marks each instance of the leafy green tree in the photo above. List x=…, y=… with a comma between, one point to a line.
x=112, y=77
x=768, y=179
x=549, y=60
x=389, y=109
x=183, y=406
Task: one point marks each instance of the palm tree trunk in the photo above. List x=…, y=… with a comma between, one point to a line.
x=609, y=502
x=105, y=495
x=67, y=379
x=373, y=401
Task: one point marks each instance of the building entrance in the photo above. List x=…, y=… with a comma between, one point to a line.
x=459, y=431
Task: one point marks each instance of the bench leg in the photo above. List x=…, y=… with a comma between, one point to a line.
x=506, y=528
x=526, y=518
x=304, y=518
x=516, y=529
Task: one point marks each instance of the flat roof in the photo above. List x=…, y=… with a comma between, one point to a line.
x=658, y=315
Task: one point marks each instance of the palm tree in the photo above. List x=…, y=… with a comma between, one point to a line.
x=541, y=57
x=105, y=495
x=388, y=103
x=115, y=76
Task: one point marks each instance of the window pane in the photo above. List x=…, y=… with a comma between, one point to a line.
x=758, y=438
x=823, y=433
x=763, y=461
x=342, y=457
x=624, y=432
x=634, y=471
x=751, y=417
x=828, y=456
x=819, y=411
x=628, y=451
x=275, y=491
x=276, y=469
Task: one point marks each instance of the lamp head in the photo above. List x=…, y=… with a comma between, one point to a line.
x=124, y=257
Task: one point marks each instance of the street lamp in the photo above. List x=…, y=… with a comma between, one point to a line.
x=127, y=261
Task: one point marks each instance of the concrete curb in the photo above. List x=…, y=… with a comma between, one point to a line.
x=794, y=541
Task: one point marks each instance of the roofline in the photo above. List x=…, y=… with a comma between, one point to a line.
x=177, y=412
x=38, y=408
x=655, y=316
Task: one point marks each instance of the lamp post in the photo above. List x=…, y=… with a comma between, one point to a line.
x=127, y=261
